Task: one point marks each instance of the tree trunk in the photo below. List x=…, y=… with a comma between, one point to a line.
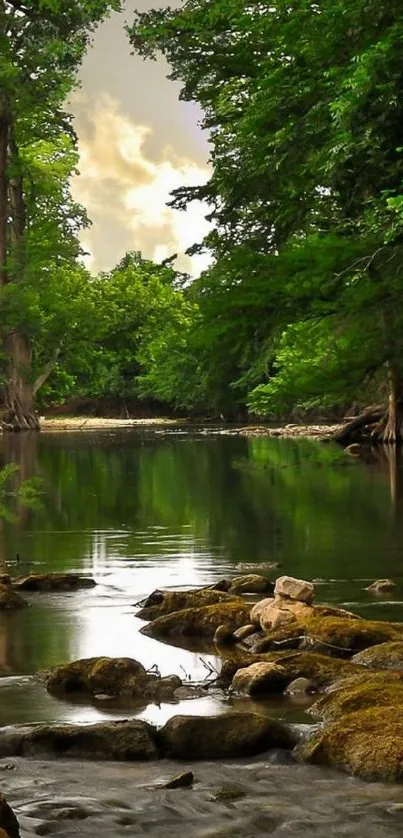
x=20, y=407
x=20, y=396
x=389, y=431
x=3, y=195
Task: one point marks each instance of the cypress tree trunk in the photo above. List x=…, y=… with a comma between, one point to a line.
x=389, y=431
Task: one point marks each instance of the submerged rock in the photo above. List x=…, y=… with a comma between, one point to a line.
x=8, y=822
x=120, y=740
x=252, y=583
x=299, y=687
x=181, y=781
x=367, y=743
x=255, y=567
x=384, y=656
x=297, y=589
x=382, y=586
x=202, y=622
x=111, y=677
x=160, y=603
x=53, y=582
x=222, y=737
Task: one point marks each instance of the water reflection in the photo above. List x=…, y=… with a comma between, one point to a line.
x=143, y=510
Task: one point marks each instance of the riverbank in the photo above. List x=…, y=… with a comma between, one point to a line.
x=92, y=423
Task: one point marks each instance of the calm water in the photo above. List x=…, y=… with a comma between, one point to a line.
x=140, y=510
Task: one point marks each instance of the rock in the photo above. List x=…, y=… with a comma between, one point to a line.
x=320, y=670
x=227, y=793
x=300, y=686
x=53, y=582
x=368, y=744
x=337, y=635
x=8, y=821
x=224, y=636
x=201, y=622
x=251, y=584
x=160, y=603
x=109, y=677
x=297, y=589
x=254, y=567
x=117, y=740
x=260, y=678
x=10, y=600
x=222, y=737
x=279, y=611
x=245, y=631
x=384, y=656
x=359, y=692
x=382, y=586
x=181, y=781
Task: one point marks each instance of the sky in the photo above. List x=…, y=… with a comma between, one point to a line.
x=137, y=142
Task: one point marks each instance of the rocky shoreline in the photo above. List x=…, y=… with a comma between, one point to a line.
x=279, y=645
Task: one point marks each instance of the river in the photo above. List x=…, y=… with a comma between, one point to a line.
x=141, y=509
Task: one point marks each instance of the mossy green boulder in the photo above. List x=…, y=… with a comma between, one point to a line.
x=160, y=603
x=200, y=622
x=111, y=677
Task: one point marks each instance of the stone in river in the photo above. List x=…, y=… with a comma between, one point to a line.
x=181, y=781
x=252, y=583
x=382, y=586
x=221, y=737
x=53, y=582
x=297, y=589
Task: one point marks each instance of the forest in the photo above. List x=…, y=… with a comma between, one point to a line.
x=300, y=311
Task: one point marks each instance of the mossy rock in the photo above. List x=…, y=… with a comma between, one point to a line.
x=336, y=635
x=321, y=670
x=8, y=821
x=202, y=622
x=118, y=740
x=384, y=656
x=358, y=692
x=368, y=744
x=53, y=582
x=251, y=583
x=160, y=603
x=222, y=737
x=113, y=677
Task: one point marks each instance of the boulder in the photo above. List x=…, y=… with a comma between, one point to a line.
x=297, y=589
x=117, y=740
x=251, y=584
x=160, y=603
x=10, y=600
x=222, y=737
x=260, y=678
x=279, y=611
x=53, y=582
x=8, y=821
x=367, y=743
x=111, y=677
x=382, y=586
x=338, y=635
x=359, y=692
x=200, y=622
x=384, y=656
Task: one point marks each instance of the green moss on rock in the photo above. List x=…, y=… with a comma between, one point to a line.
x=358, y=692
x=368, y=744
x=202, y=622
x=384, y=656
x=160, y=603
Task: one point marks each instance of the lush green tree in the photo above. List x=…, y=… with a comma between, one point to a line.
x=304, y=108
x=42, y=43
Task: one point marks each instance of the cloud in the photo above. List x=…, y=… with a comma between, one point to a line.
x=125, y=181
